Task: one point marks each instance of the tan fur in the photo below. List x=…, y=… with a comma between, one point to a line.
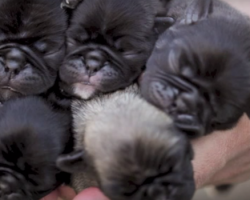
x=104, y=125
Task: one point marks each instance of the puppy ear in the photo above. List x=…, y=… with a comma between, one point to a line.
x=72, y=162
x=197, y=10
x=190, y=125
x=162, y=23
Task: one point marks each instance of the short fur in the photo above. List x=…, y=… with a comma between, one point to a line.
x=129, y=149
x=200, y=74
x=32, y=136
x=32, y=45
x=109, y=41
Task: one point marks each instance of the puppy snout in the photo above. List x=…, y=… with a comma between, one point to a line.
x=14, y=60
x=158, y=192
x=8, y=185
x=4, y=189
x=94, y=61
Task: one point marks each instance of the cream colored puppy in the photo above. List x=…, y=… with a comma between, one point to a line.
x=128, y=148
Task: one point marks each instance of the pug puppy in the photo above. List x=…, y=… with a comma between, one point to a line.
x=128, y=148
x=109, y=41
x=32, y=45
x=32, y=136
x=200, y=74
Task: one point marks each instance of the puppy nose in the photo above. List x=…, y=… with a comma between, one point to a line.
x=4, y=189
x=94, y=61
x=8, y=185
x=12, y=65
x=14, y=59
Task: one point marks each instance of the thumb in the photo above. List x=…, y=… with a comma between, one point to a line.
x=91, y=194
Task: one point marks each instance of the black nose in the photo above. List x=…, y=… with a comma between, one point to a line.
x=14, y=60
x=94, y=61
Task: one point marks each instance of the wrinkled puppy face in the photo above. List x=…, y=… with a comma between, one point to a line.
x=31, y=138
x=192, y=76
x=149, y=168
x=31, y=46
x=21, y=177
x=108, y=43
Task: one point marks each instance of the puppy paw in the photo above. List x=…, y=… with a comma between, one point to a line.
x=196, y=11
x=190, y=124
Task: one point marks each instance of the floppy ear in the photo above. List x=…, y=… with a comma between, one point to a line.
x=72, y=162
x=162, y=23
x=70, y=4
x=190, y=124
x=197, y=10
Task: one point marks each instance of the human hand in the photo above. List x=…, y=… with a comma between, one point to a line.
x=66, y=193
x=223, y=156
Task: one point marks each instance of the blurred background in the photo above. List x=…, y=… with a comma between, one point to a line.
x=240, y=191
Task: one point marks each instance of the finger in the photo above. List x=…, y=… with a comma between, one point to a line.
x=91, y=194
x=66, y=193
x=52, y=196
x=237, y=170
x=215, y=151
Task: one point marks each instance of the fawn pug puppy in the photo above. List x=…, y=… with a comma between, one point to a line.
x=200, y=74
x=32, y=136
x=32, y=45
x=109, y=41
x=128, y=148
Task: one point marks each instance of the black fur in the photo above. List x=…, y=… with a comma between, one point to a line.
x=70, y=4
x=109, y=41
x=32, y=136
x=200, y=74
x=32, y=45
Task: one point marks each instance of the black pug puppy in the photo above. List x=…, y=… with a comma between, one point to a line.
x=128, y=148
x=200, y=74
x=32, y=136
x=109, y=41
x=32, y=45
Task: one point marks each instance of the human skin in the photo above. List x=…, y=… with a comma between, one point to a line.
x=223, y=157
x=220, y=158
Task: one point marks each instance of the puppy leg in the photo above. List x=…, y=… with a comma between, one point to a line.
x=72, y=162
x=197, y=10
x=82, y=175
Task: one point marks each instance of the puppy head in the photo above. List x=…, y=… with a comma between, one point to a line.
x=198, y=77
x=150, y=168
x=151, y=165
x=31, y=46
x=30, y=141
x=21, y=174
x=107, y=45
